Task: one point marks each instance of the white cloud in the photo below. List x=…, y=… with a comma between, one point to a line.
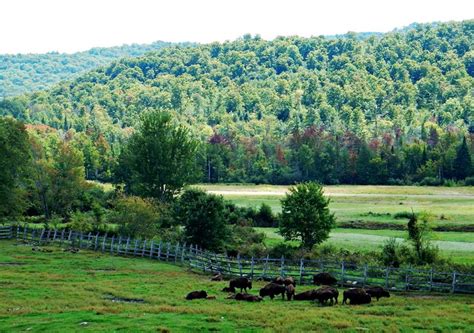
x=73, y=25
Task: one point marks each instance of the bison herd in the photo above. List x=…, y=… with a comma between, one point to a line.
x=326, y=294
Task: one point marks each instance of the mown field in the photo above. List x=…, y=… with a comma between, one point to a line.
x=64, y=292
x=371, y=206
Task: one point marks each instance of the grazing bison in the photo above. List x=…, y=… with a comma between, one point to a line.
x=377, y=292
x=217, y=277
x=228, y=290
x=309, y=295
x=242, y=283
x=273, y=289
x=356, y=296
x=327, y=293
x=196, y=294
x=290, y=291
x=289, y=280
x=324, y=279
x=247, y=297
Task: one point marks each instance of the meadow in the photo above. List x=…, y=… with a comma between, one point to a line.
x=373, y=207
x=60, y=291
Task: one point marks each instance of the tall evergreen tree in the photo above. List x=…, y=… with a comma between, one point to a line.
x=462, y=163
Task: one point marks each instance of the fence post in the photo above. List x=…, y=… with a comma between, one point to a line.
x=119, y=245
x=453, y=287
x=96, y=244
x=252, y=264
x=127, y=245
x=240, y=264
x=143, y=248
x=365, y=276
x=18, y=232
x=431, y=279
x=62, y=236
x=282, y=266
x=80, y=240
x=89, y=240
x=103, y=242
x=48, y=236
x=343, y=268
x=301, y=270
x=159, y=250
x=54, y=235
x=112, y=245
x=151, y=250
x=135, y=248
x=265, y=268
x=183, y=249
x=70, y=234
x=407, y=287
x=25, y=232
x=167, y=251
x=41, y=236
x=176, y=253
x=387, y=270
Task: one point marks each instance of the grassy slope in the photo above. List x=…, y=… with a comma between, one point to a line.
x=56, y=292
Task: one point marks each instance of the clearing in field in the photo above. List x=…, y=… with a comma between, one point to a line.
x=60, y=291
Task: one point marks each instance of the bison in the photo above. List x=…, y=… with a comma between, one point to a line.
x=242, y=283
x=309, y=295
x=247, y=297
x=228, y=290
x=356, y=296
x=290, y=291
x=324, y=279
x=278, y=280
x=326, y=293
x=273, y=289
x=377, y=292
x=196, y=295
x=289, y=280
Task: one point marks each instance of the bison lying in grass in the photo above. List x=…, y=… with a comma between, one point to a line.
x=309, y=295
x=242, y=283
x=273, y=289
x=356, y=296
x=377, y=292
x=247, y=297
x=196, y=295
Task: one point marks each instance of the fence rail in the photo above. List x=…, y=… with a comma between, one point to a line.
x=347, y=274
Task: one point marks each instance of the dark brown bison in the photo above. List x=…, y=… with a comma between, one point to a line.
x=309, y=295
x=327, y=293
x=242, y=283
x=228, y=290
x=273, y=289
x=289, y=280
x=356, y=296
x=324, y=279
x=290, y=291
x=377, y=292
x=247, y=297
x=217, y=277
x=196, y=294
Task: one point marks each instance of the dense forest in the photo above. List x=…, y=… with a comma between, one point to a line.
x=23, y=73
x=396, y=108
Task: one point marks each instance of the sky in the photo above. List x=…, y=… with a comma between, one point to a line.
x=39, y=26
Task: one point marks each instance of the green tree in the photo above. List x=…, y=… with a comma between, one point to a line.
x=418, y=233
x=462, y=163
x=158, y=160
x=305, y=215
x=203, y=217
x=14, y=162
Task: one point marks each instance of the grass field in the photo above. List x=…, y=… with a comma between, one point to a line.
x=376, y=204
x=65, y=292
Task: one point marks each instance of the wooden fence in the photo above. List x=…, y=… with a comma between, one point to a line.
x=347, y=274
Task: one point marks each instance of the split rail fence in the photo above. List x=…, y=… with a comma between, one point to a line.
x=347, y=274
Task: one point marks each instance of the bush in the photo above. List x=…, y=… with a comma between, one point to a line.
x=83, y=222
x=431, y=181
x=469, y=181
x=265, y=217
x=136, y=217
x=391, y=255
x=286, y=250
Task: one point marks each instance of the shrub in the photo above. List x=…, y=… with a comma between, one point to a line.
x=83, y=222
x=431, y=181
x=469, y=181
x=136, y=217
x=391, y=255
x=286, y=250
x=265, y=217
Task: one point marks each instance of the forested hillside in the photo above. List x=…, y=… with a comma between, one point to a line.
x=394, y=108
x=24, y=73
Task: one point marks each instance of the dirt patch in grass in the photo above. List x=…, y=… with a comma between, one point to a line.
x=117, y=299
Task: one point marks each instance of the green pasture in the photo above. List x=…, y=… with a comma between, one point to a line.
x=64, y=292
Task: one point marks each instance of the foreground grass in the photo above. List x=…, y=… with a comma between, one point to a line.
x=61, y=292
